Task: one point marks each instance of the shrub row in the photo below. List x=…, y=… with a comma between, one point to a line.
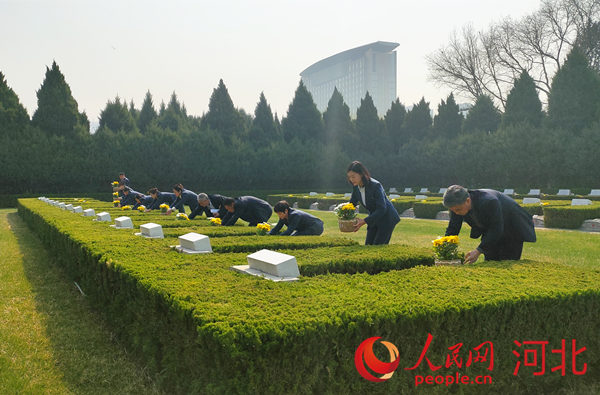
x=569, y=217
x=207, y=329
x=428, y=209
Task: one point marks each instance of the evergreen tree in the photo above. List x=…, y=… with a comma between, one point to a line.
x=523, y=103
x=339, y=129
x=133, y=111
x=173, y=117
x=574, y=97
x=57, y=111
x=448, y=121
x=483, y=116
x=303, y=119
x=369, y=127
x=394, y=124
x=222, y=116
x=117, y=117
x=263, y=130
x=418, y=120
x=13, y=116
x=147, y=113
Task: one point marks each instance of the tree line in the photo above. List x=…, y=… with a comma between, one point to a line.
x=229, y=149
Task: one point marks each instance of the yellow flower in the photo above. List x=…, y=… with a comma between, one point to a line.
x=215, y=221
x=183, y=216
x=115, y=193
x=115, y=183
x=141, y=208
x=348, y=206
x=264, y=226
x=116, y=201
x=164, y=205
x=126, y=208
x=545, y=204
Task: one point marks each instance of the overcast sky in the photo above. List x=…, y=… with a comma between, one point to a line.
x=109, y=48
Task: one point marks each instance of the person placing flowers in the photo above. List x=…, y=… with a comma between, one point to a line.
x=160, y=198
x=383, y=217
x=142, y=200
x=128, y=198
x=249, y=208
x=445, y=250
x=183, y=197
x=298, y=222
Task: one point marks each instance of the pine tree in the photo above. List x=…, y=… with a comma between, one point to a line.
x=448, y=121
x=574, y=97
x=339, y=129
x=57, y=111
x=13, y=116
x=303, y=119
x=369, y=127
x=263, y=130
x=116, y=117
x=222, y=116
x=173, y=117
x=147, y=113
x=394, y=124
x=418, y=120
x=133, y=111
x=483, y=116
x=523, y=103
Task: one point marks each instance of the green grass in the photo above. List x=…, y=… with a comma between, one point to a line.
x=50, y=341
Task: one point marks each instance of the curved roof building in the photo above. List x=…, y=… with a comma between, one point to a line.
x=368, y=68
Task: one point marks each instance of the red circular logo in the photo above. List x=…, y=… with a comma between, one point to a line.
x=364, y=356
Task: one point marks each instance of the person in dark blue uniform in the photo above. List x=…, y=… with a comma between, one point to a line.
x=128, y=198
x=142, y=200
x=183, y=197
x=211, y=205
x=298, y=222
x=502, y=224
x=123, y=183
x=249, y=208
x=383, y=217
x=160, y=198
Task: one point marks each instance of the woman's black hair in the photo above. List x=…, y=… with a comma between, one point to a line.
x=178, y=187
x=281, y=206
x=152, y=191
x=359, y=168
x=228, y=201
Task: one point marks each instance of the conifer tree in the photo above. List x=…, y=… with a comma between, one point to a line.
x=448, y=121
x=523, y=103
x=13, y=116
x=339, y=129
x=147, y=113
x=303, y=119
x=483, y=116
x=263, y=130
x=222, y=116
x=418, y=120
x=117, y=117
x=394, y=124
x=369, y=127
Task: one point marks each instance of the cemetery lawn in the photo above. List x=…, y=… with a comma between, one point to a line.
x=50, y=340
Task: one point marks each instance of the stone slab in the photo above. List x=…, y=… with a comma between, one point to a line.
x=443, y=215
x=194, y=243
x=274, y=263
x=89, y=212
x=581, y=202
x=103, y=217
x=123, y=223
x=534, y=192
x=529, y=200
x=78, y=209
x=151, y=231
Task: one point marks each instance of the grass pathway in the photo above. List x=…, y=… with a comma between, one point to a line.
x=50, y=340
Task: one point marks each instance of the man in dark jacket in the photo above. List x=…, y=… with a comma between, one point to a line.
x=128, y=198
x=298, y=222
x=142, y=200
x=502, y=224
x=160, y=198
x=249, y=208
x=209, y=204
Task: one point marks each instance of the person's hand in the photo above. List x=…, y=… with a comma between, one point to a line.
x=472, y=256
x=169, y=211
x=359, y=222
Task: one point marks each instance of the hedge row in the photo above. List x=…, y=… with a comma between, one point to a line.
x=428, y=209
x=569, y=217
x=207, y=329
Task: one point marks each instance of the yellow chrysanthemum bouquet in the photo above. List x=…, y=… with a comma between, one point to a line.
x=263, y=228
x=116, y=203
x=163, y=208
x=126, y=208
x=345, y=211
x=215, y=221
x=446, y=248
x=141, y=208
x=182, y=216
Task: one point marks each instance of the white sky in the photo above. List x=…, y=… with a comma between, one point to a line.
x=108, y=48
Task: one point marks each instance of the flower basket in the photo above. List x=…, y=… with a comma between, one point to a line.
x=448, y=262
x=347, y=225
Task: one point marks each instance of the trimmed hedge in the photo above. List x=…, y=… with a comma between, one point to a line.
x=428, y=209
x=569, y=217
x=205, y=329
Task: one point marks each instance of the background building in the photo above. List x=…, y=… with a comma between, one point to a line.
x=369, y=68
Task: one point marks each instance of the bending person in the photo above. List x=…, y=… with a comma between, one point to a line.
x=211, y=205
x=298, y=222
x=128, y=198
x=160, y=198
x=249, y=208
x=142, y=200
x=502, y=224
x=383, y=217
x=183, y=197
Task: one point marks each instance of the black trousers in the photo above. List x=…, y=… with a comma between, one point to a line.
x=380, y=233
x=314, y=230
x=506, y=249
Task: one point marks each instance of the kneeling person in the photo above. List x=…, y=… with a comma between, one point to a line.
x=249, y=208
x=298, y=222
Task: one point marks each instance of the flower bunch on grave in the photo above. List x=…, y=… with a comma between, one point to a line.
x=263, y=228
x=215, y=221
x=182, y=216
x=115, y=183
x=115, y=194
x=80, y=201
x=446, y=248
x=164, y=208
x=116, y=203
x=126, y=208
x=141, y=208
x=345, y=211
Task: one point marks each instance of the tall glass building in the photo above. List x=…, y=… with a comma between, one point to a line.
x=369, y=68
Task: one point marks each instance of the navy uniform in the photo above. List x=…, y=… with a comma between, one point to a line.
x=188, y=198
x=250, y=209
x=162, y=197
x=216, y=203
x=299, y=223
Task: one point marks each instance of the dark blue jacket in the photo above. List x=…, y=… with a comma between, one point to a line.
x=188, y=198
x=162, y=197
x=381, y=210
x=124, y=181
x=493, y=216
x=297, y=221
x=216, y=202
x=145, y=201
x=129, y=200
x=250, y=209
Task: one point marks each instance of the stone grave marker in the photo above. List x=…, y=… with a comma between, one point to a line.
x=272, y=265
x=408, y=190
x=594, y=192
x=123, y=223
x=194, y=243
x=529, y=200
x=103, y=217
x=78, y=209
x=534, y=192
x=564, y=192
x=581, y=202
x=151, y=231
x=509, y=192
x=89, y=212
x=420, y=197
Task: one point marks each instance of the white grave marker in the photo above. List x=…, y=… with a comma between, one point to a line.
x=595, y=192
x=424, y=190
x=78, y=209
x=420, y=197
x=394, y=196
x=591, y=225
x=89, y=212
x=581, y=202
x=443, y=216
x=271, y=265
x=393, y=190
x=347, y=195
x=312, y=194
x=408, y=190
x=529, y=200
x=564, y=192
x=103, y=217
x=328, y=194
x=443, y=190
x=151, y=231
x=538, y=221
x=534, y=192
x=509, y=192
x=314, y=206
x=123, y=223
x=61, y=206
x=69, y=207
x=410, y=213
x=194, y=243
